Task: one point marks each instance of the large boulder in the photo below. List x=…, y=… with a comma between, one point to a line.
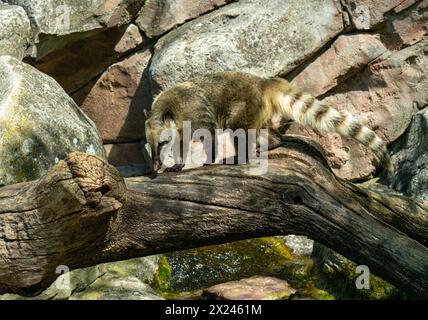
x=407, y=27
x=15, y=31
x=410, y=158
x=39, y=123
x=384, y=95
x=157, y=17
x=117, y=100
x=348, y=55
x=58, y=22
x=128, y=279
x=77, y=65
x=341, y=275
x=265, y=38
x=368, y=14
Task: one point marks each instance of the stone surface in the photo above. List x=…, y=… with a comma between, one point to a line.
x=127, y=279
x=384, y=95
x=341, y=275
x=55, y=21
x=367, y=14
x=15, y=31
x=157, y=17
x=265, y=38
x=301, y=245
x=79, y=62
x=39, y=123
x=410, y=159
x=117, y=288
x=254, y=288
x=203, y=267
x=122, y=154
x=408, y=26
x=117, y=101
x=131, y=39
x=347, y=55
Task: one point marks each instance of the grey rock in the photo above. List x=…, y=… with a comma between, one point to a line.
x=39, y=124
x=117, y=288
x=410, y=159
x=15, y=31
x=367, y=14
x=301, y=245
x=127, y=279
x=55, y=21
x=265, y=38
x=157, y=17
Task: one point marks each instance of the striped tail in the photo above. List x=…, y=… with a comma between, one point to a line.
x=308, y=111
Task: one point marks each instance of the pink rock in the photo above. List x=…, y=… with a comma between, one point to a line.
x=384, y=95
x=254, y=288
x=366, y=14
x=347, y=55
x=117, y=101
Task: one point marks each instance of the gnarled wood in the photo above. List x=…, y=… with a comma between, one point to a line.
x=82, y=214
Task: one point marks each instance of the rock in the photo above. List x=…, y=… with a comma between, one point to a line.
x=410, y=159
x=347, y=55
x=123, y=280
x=367, y=14
x=301, y=245
x=254, y=288
x=60, y=22
x=384, y=95
x=117, y=288
x=117, y=101
x=15, y=31
x=79, y=62
x=265, y=38
x=127, y=279
x=122, y=154
x=131, y=39
x=341, y=274
x=156, y=18
x=39, y=124
x=203, y=267
x=407, y=27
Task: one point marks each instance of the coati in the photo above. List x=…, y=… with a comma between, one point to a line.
x=234, y=100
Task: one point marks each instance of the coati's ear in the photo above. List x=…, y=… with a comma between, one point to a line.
x=168, y=116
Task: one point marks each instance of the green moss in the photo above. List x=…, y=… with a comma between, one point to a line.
x=162, y=278
x=341, y=281
x=202, y=267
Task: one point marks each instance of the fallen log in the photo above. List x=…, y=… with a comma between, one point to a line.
x=83, y=213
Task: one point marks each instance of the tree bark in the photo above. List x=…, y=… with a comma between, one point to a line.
x=83, y=213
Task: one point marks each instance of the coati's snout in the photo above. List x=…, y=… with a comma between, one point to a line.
x=162, y=138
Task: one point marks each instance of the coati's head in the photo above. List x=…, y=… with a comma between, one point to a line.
x=163, y=129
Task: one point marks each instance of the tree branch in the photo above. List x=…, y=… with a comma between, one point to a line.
x=82, y=214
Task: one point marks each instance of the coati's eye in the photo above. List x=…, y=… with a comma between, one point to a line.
x=161, y=144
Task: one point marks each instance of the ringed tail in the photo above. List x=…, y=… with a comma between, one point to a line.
x=306, y=110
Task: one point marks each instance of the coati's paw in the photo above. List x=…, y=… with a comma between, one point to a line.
x=175, y=168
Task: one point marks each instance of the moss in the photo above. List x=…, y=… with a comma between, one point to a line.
x=162, y=278
x=341, y=281
x=312, y=292
x=202, y=267
x=92, y=295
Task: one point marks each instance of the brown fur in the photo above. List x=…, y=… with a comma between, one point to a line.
x=234, y=100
